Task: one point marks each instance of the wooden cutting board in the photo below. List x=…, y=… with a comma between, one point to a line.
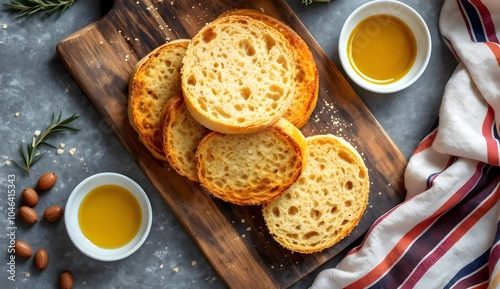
x=233, y=238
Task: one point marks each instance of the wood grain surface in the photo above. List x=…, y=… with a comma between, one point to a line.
x=233, y=238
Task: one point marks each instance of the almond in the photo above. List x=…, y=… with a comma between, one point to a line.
x=66, y=280
x=46, y=181
x=30, y=197
x=28, y=215
x=41, y=259
x=22, y=249
x=53, y=213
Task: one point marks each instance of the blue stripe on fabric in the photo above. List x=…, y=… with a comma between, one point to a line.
x=475, y=21
x=469, y=269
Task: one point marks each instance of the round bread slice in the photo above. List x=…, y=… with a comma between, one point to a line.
x=306, y=75
x=237, y=75
x=155, y=78
x=326, y=202
x=251, y=169
x=181, y=136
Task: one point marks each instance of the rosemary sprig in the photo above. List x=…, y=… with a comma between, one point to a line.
x=30, y=7
x=307, y=2
x=29, y=152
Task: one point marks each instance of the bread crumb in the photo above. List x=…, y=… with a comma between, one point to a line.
x=175, y=269
x=62, y=145
x=27, y=274
x=17, y=113
x=242, y=221
x=7, y=163
x=37, y=132
x=60, y=151
x=4, y=26
x=72, y=151
x=194, y=263
x=248, y=229
x=161, y=266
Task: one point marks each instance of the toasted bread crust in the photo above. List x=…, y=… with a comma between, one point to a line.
x=251, y=169
x=326, y=202
x=155, y=78
x=237, y=75
x=181, y=136
x=306, y=73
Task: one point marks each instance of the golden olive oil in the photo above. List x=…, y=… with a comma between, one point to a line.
x=110, y=216
x=382, y=48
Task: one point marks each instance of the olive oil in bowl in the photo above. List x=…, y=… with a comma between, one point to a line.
x=382, y=49
x=110, y=216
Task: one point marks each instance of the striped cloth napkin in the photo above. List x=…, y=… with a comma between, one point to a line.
x=446, y=232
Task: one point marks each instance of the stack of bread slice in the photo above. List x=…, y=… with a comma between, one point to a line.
x=225, y=109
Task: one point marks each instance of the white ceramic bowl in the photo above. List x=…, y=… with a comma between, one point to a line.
x=73, y=226
x=411, y=18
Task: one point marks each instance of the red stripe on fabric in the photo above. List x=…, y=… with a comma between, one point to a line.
x=491, y=142
x=466, y=20
x=426, y=142
x=495, y=49
x=452, y=239
x=494, y=257
x=404, y=243
x=489, y=26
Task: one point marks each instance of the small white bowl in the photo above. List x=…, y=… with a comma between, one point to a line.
x=414, y=22
x=73, y=226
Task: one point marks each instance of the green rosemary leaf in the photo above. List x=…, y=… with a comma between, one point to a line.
x=29, y=152
x=36, y=158
x=27, y=8
x=307, y=2
x=48, y=144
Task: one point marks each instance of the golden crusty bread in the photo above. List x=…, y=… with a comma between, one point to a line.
x=237, y=75
x=155, y=78
x=306, y=74
x=181, y=136
x=326, y=202
x=250, y=169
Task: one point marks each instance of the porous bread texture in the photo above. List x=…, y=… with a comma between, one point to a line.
x=326, y=202
x=181, y=136
x=306, y=76
x=237, y=75
x=251, y=169
x=155, y=78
